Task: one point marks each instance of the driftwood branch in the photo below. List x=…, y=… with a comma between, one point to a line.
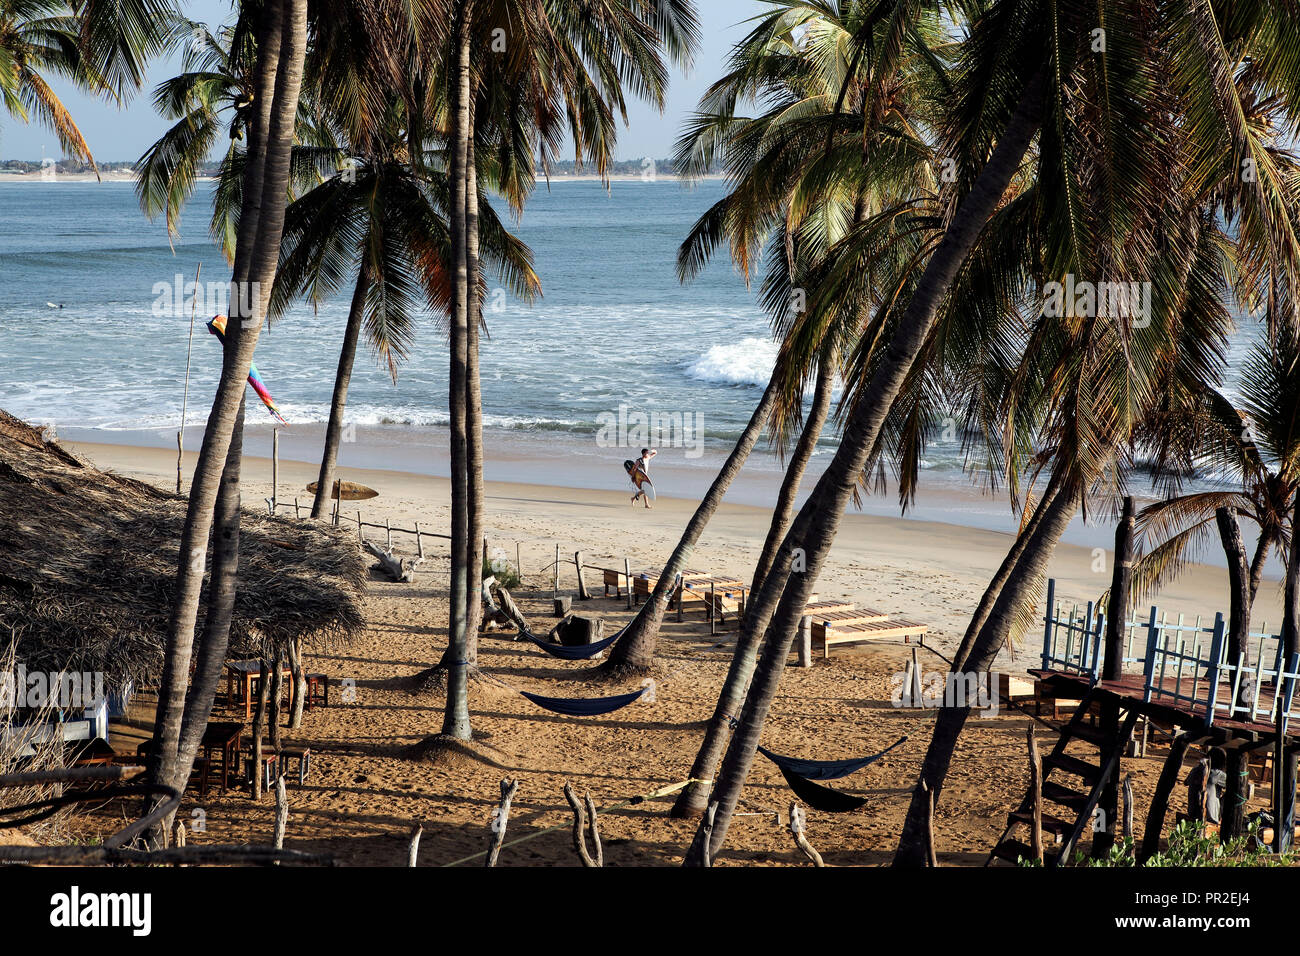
x=206, y=855
x=1035, y=797
x=585, y=818
x=399, y=569
x=281, y=812
x=800, y=840
x=500, y=816
x=511, y=610
x=931, y=855
x=413, y=851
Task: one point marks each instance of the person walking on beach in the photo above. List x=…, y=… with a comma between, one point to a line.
x=640, y=475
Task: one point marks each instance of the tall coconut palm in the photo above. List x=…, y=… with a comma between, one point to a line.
x=563, y=63
x=101, y=47
x=1252, y=443
x=800, y=178
x=282, y=45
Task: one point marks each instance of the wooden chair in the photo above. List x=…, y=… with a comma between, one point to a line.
x=318, y=691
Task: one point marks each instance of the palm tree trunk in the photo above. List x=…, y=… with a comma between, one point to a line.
x=211, y=657
x=1004, y=572
x=1291, y=592
x=803, y=452
x=1238, y=582
x=783, y=599
x=694, y=799
x=280, y=62
x=1266, y=541
x=455, y=721
x=342, y=379
x=948, y=726
x=635, y=650
x=473, y=407
x=1118, y=607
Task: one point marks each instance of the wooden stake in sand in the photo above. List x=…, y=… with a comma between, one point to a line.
x=555, y=591
x=627, y=581
x=800, y=840
x=500, y=816
x=275, y=467
x=585, y=818
x=419, y=542
x=519, y=567
x=1126, y=793
x=583, y=593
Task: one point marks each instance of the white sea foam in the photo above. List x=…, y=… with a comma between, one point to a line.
x=747, y=362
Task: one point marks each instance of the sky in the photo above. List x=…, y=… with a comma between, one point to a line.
x=122, y=135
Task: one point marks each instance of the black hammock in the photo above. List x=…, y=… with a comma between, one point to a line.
x=584, y=706
x=572, y=652
x=800, y=774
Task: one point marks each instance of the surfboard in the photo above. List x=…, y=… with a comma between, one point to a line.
x=351, y=491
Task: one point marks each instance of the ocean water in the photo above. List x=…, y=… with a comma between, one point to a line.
x=94, y=326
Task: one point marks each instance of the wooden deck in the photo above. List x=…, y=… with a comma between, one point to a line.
x=1184, y=713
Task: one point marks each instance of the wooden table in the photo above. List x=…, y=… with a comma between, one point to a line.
x=226, y=736
x=247, y=672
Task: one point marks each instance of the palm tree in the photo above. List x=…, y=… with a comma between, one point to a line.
x=101, y=47
x=561, y=63
x=800, y=179
x=281, y=50
x=1254, y=445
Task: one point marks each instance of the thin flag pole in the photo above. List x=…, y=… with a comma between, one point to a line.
x=185, y=400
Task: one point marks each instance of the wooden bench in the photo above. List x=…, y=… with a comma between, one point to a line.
x=884, y=630
x=816, y=608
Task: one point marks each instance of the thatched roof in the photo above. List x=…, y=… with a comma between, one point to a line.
x=88, y=562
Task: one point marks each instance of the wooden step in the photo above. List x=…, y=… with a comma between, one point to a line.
x=1070, y=764
x=1013, y=850
x=1066, y=797
x=1084, y=731
x=1051, y=824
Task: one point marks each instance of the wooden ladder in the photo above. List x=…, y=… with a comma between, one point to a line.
x=1079, y=803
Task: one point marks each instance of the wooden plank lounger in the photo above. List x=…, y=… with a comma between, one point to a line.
x=890, y=629
x=839, y=619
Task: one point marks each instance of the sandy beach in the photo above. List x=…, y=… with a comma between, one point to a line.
x=365, y=794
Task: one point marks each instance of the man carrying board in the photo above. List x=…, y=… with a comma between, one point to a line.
x=639, y=471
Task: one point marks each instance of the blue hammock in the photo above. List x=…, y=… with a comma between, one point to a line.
x=825, y=769
x=584, y=706
x=822, y=798
x=575, y=652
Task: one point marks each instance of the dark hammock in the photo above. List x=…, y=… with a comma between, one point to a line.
x=576, y=652
x=819, y=797
x=825, y=769
x=584, y=706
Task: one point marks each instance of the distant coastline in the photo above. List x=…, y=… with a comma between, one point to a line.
x=116, y=176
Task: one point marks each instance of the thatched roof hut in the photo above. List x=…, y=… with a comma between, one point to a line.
x=88, y=562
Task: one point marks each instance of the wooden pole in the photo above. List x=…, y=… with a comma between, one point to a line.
x=519, y=565
x=1127, y=793
x=555, y=592
x=713, y=612
x=185, y=399
x=583, y=593
x=419, y=542
x=388, y=532
x=1035, y=797
x=1160, y=799
x=296, y=512
x=275, y=467
x=360, y=534
x=627, y=580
